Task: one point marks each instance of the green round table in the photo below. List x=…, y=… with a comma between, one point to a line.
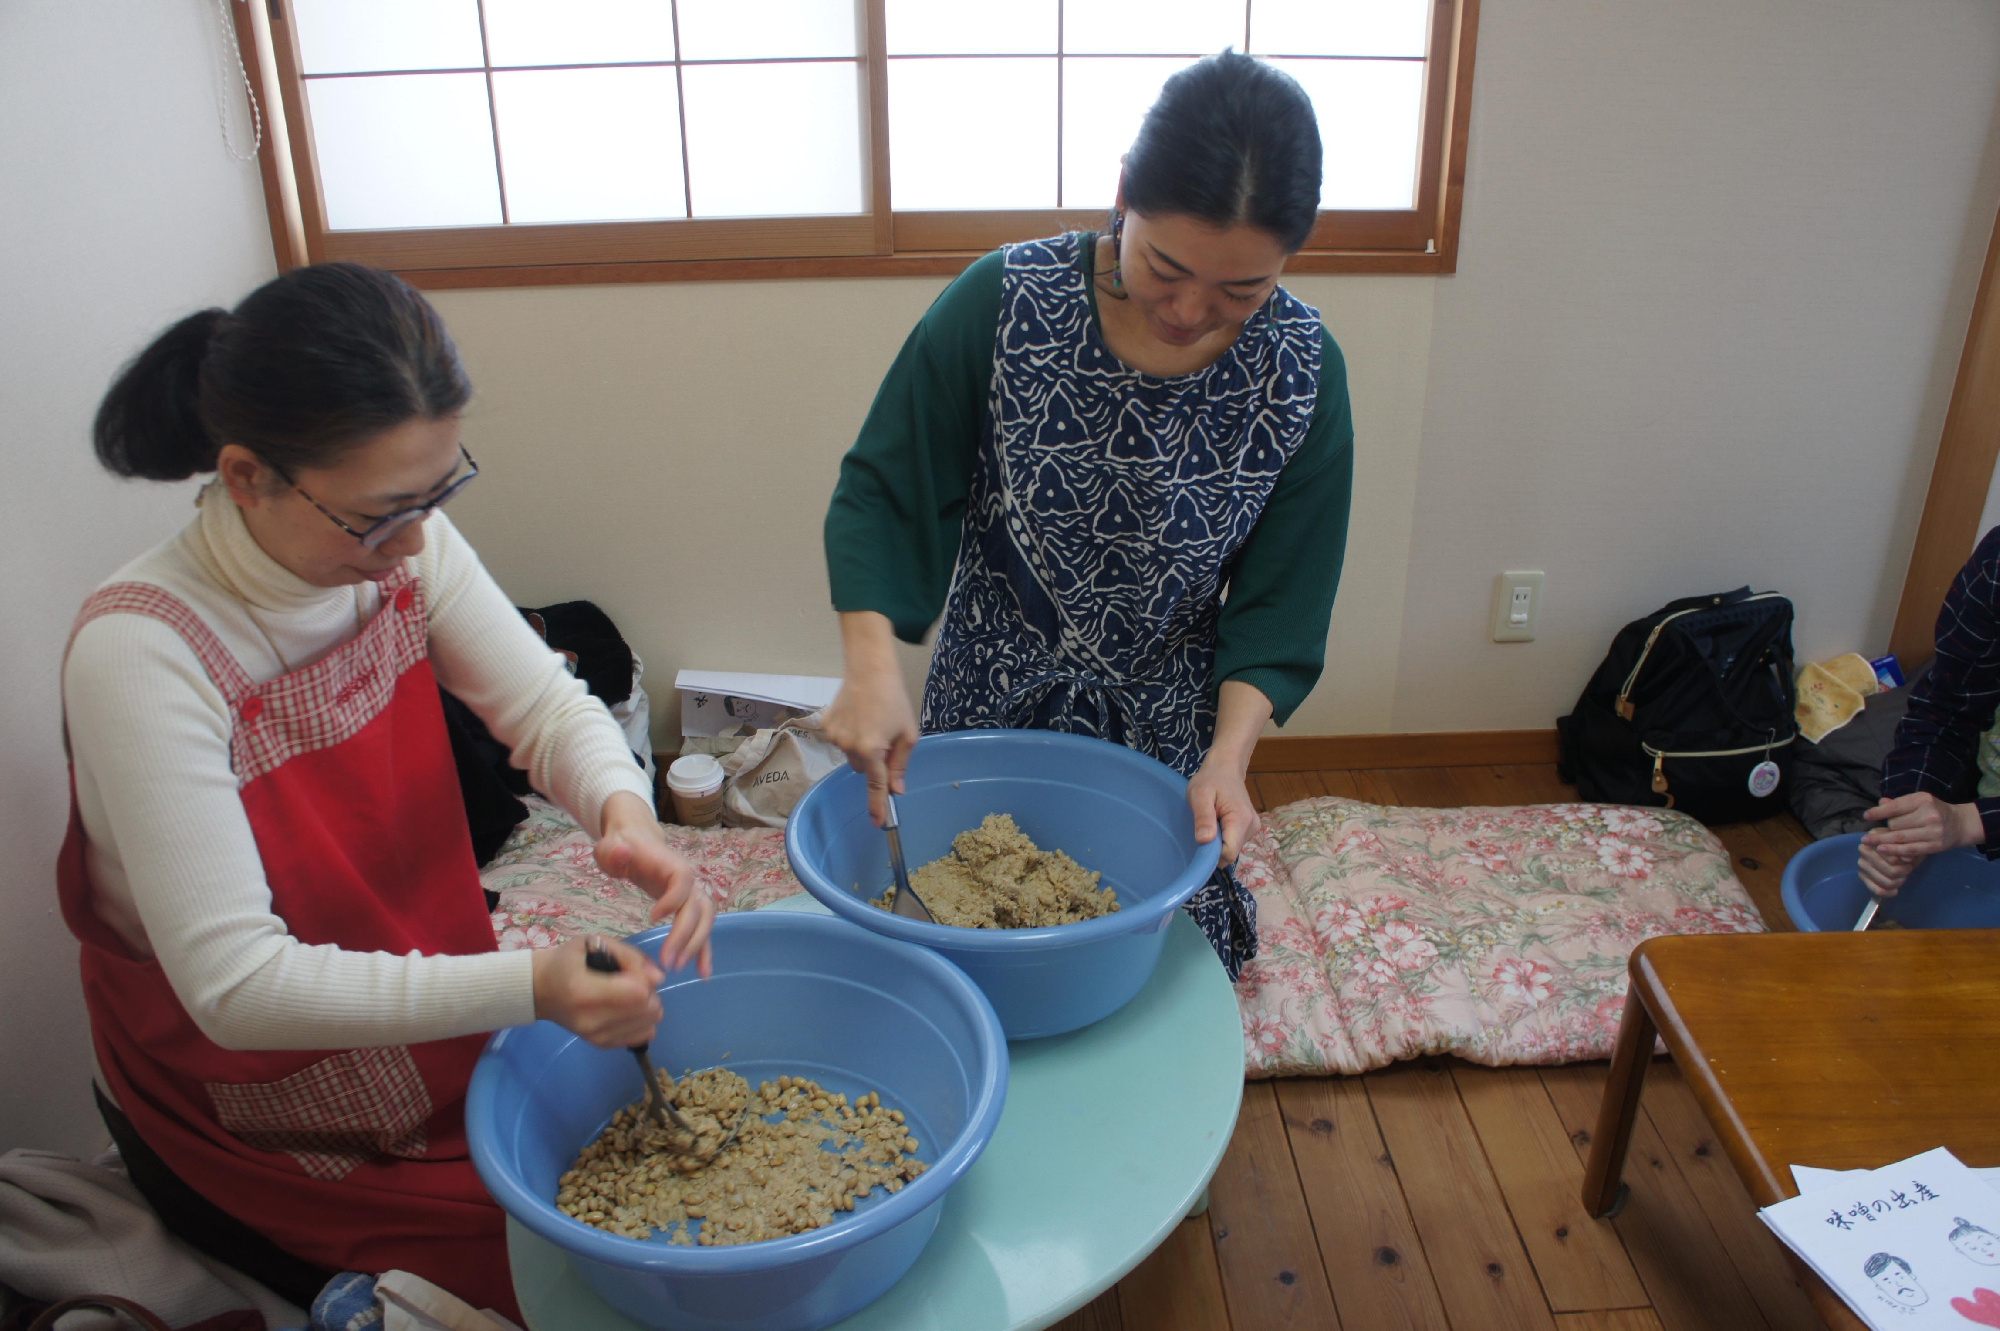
x=1109, y=1138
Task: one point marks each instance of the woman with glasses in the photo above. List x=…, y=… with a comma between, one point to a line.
x=1084, y=445
x=288, y=960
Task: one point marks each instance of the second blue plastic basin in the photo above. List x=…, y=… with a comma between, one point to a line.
x=792, y=994
x=1108, y=807
x=1959, y=889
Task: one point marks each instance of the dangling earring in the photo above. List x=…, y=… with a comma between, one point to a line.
x=1117, y=248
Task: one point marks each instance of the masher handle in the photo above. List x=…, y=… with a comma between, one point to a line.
x=598, y=957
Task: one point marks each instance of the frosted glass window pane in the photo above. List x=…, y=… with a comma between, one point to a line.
x=578, y=32
x=339, y=36
x=405, y=150
x=767, y=29
x=590, y=145
x=774, y=140
x=1370, y=112
x=972, y=133
x=1339, y=27
x=1104, y=99
x=1176, y=27
x=972, y=27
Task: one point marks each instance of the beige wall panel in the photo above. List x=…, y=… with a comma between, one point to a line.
x=1718, y=260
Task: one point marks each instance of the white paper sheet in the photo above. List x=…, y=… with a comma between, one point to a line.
x=1913, y=1244
x=1810, y=1179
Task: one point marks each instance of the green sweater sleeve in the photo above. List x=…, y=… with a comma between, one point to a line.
x=892, y=529
x=1273, y=629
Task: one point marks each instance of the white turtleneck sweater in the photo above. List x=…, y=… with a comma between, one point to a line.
x=174, y=865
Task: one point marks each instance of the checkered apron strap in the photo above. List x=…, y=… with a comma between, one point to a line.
x=145, y=598
x=322, y=705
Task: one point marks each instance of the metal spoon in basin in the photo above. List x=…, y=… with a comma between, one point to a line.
x=658, y=1106
x=907, y=903
x=1868, y=913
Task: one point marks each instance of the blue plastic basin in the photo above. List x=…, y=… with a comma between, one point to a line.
x=1959, y=889
x=1108, y=807
x=793, y=994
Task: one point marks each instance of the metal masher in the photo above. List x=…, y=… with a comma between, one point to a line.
x=907, y=903
x=661, y=1109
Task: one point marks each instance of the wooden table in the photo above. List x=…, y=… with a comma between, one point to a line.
x=1843, y=1050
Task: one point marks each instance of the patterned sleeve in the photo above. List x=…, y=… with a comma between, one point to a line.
x=1273, y=629
x=1937, y=743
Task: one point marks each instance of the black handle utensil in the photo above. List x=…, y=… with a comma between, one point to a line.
x=599, y=958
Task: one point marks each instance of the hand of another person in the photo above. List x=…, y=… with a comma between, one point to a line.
x=870, y=720
x=1220, y=797
x=1881, y=876
x=1920, y=825
x=610, y=1011
x=1917, y=827
x=634, y=847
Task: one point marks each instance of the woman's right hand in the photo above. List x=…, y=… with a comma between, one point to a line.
x=611, y=1011
x=1882, y=875
x=1912, y=828
x=871, y=719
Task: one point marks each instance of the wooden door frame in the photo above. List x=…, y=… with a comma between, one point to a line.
x=1960, y=478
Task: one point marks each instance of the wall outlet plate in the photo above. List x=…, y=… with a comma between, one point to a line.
x=1517, y=604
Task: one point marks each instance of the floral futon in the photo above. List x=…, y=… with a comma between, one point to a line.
x=1499, y=935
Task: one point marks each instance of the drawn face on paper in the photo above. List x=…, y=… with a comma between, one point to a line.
x=1898, y=1284
x=1978, y=1244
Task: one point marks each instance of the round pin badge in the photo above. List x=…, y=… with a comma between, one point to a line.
x=1763, y=778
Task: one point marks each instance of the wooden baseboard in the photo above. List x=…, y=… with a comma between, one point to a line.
x=1336, y=753
x=1437, y=748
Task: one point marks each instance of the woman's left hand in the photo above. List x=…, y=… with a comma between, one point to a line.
x=1220, y=799
x=1219, y=794
x=634, y=847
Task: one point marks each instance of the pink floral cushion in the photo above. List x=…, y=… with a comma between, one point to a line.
x=551, y=889
x=1499, y=935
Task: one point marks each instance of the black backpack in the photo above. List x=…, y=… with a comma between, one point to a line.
x=1691, y=710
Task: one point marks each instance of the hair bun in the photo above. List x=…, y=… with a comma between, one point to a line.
x=149, y=425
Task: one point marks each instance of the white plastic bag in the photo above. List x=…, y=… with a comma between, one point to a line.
x=772, y=770
x=635, y=717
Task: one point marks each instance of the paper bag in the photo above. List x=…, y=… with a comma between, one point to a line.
x=772, y=770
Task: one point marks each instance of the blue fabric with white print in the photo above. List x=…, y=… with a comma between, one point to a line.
x=1104, y=511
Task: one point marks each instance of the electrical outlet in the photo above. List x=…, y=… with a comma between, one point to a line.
x=1517, y=603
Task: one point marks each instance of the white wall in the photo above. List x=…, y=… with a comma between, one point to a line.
x=1716, y=268
x=119, y=211
x=667, y=451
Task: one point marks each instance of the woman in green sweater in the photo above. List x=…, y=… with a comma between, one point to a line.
x=1120, y=465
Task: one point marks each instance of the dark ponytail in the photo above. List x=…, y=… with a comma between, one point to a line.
x=308, y=366
x=1231, y=141
x=150, y=422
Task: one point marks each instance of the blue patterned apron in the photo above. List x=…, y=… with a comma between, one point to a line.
x=1104, y=511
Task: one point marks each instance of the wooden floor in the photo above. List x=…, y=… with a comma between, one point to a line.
x=1440, y=1194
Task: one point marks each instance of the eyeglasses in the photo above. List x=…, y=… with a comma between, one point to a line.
x=381, y=530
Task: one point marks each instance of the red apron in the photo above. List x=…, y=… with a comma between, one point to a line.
x=353, y=1159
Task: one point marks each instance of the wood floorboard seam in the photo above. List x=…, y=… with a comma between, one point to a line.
x=1506, y=1202
x=1312, y=1222
x=1416, y=1231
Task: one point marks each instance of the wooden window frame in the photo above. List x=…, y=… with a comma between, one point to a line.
x=879, y=242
